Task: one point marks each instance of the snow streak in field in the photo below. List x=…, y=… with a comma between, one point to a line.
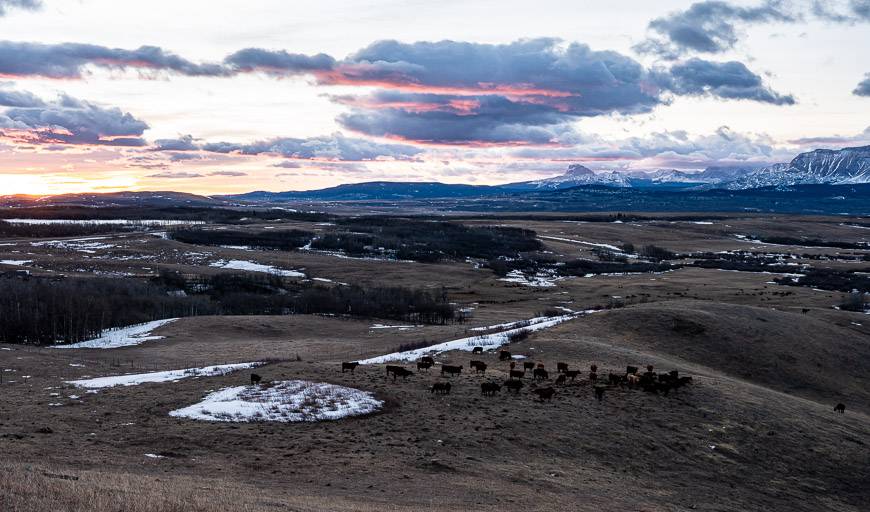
x=284, y=401
x=123, y=336
x=164, y=376
x=251, y=266
x=487, y=341
x=15, y=263
x=569, y=240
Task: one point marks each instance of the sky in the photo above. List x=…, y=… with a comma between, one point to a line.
x=220, y=97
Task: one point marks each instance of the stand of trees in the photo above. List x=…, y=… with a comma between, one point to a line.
x=271, y=239
x=8, y=229
x=44, y=311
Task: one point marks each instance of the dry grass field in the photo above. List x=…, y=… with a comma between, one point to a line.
x=755, y=430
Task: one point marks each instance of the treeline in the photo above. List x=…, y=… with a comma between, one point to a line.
x=9, y=229
x=811, y=242
x=185, y=213
x=829, y=279
x=43, y=311
x=271, y=239
x=427, y=241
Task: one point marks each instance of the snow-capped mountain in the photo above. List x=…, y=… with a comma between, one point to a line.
x=835, y=167
x=663, y=176
x=575, y=176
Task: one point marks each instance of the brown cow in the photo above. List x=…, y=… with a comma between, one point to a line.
x=517, y=373
x=401, y=372
x=544, y=393
x=442, y=388
x=452, y=370
x=504, y=355
x=528, y=365
x=479, y=366
x=572, y=374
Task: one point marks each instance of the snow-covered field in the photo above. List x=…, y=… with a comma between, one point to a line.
x=283, y=401
x=123, y=336
x=539, y=280
x=251, y=266
x=146, y=222
x=15, y=263
x=164, y=376
x=487, y=341
x=581, y=242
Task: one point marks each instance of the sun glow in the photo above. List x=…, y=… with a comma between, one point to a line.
x=52, y=184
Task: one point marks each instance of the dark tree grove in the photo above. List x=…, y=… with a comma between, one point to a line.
x=273, y=239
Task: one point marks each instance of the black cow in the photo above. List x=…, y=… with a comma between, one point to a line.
x=255, y=379
x=427, y=359
x=544, y=393
x=442, y=388
x=504, y=355
x=391, y=368
x=424, y=365
x=528, y=365
x=349, y=366
x=561, y=367
x=541, y=374
x=631, y=370
x=517, y=373
x=477, y=365
x=489, y=388
x=452, y=370
x=840, y=408
x=599, y=392
x=401, y=372
x=477, y=350
x=514, y=385
x=572, y=374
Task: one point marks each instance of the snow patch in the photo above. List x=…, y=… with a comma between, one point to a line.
x=164, y=376
x=123, y=337
x=283, y=401
x=251, y=266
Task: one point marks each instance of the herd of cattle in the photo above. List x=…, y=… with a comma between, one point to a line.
x=633, y=378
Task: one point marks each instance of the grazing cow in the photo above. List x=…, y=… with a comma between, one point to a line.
x=805, y=310
x=489, y=388
x=514, y=385
x=528, y=365
x=428, y=359
x=840, y=408
x=442, y=388
x=255, y=379
x=477, y=350
x=541, y=374
x=517, y=373
x=504, y=355
x=452, y=370
x=561, y=367
x=631, y=370
x=599, y=392
x=349, y=366
x=424, y=365
x=401, y=372
x=480, y=367
x=561, y=379
x=544, y=393
x=572, y=374
x=391, y=368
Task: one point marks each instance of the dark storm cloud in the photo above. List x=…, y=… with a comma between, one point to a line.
x=277, y=62
x=19, y=99
x=69, y=60
x=727, y=80
x=30, y=5
x=714, y=26
x=72, y=121
x=863, y=88
x=329, y=147
x=182, y=143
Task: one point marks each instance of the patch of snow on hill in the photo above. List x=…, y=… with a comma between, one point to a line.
x=251, y=266
x=283, y=401
x=164, y=376
x=123, y=336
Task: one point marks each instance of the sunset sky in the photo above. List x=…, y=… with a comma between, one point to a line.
x=221, y=97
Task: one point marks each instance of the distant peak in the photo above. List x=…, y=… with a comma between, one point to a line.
x=578, y=170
